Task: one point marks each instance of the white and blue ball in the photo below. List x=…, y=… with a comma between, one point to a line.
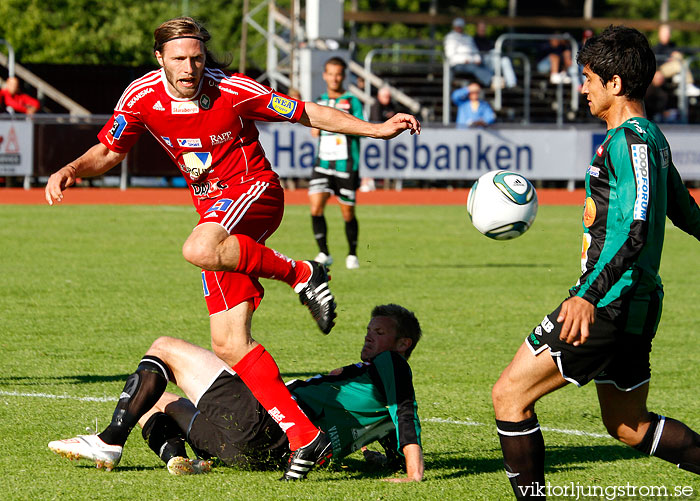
x=502, y=204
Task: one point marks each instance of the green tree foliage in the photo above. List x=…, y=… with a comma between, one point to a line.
x=121, y=31
x=106, y=31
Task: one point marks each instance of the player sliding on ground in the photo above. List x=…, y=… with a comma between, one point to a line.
x=604, y=330
x=204, y=118
x=355, y=405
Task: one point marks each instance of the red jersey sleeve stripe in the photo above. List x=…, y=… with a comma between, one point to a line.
x=238, y=81
x=136, y=85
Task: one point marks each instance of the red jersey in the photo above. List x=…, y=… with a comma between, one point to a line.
x=211, y=137
x=18, y=102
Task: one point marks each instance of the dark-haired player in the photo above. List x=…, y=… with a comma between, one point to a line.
x=337, y=168
x=354, y=405
x=204, y=118
x=604, y=330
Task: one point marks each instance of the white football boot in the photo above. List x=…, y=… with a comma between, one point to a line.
x=89, y=447
x=351, y=262
x=324, y=258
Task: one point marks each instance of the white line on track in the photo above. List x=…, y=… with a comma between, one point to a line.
x=427, y=420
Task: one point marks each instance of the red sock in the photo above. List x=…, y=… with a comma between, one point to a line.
x=259, y=261
x=261, y=375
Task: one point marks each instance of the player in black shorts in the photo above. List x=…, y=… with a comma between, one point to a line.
x=604, y=330
x=355, y=405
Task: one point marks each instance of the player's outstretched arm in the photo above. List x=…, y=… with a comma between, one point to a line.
x=414, y=464
x=332, y=120
x=95, y=161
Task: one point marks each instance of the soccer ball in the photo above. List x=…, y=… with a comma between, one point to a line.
x=502, y=205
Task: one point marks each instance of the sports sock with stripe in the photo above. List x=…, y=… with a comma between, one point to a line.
x=142, y=390
x=164, y=437
x=672, y=441
x=259, y=261
x=261, y=375
x=318, y=224
x=523, y=456
x=352, y=230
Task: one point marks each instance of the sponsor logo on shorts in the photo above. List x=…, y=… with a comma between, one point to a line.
x=189, y=142
x=589, y=212
x=196, y=163
x=282, y=106
x=204, y=285
x=220, y=206
x=138, y=96
x=534, y=340
x=184, y=108
x=224, y=137
x=640, y=162
x=205, y=102
x=118, y=127
x=208, y=189
x=547, y=325
x=167, y=140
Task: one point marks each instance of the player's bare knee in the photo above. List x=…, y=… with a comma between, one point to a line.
x=200, y=254
x=161, y=347
x=628, y=435
x=501, y=396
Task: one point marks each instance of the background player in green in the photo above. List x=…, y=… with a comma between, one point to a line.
x=337, y=166
x=604, y=330
x=355, y=405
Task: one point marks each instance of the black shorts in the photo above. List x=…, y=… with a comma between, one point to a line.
x=610, y=355
x=233, y=426
x=343, y=185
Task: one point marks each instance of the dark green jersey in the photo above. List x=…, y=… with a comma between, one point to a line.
x=339, y=153
x=364, y=403
x=631, y=186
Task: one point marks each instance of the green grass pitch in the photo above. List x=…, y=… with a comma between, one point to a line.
x=86, y=289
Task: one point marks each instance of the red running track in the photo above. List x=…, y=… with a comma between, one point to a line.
x=181, y=196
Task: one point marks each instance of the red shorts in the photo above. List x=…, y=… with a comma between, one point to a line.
x=254, y=209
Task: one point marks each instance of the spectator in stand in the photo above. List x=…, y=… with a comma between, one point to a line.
x=472, y=110
x=463, y=55
x=670, y=61
x=15, y=101
x=555, y=59
x=485, y=46
x=383, y=106
x=656, y=101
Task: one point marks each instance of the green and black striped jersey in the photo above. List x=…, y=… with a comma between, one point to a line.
x=364, y=403
x=631, y=186
x=339, y=152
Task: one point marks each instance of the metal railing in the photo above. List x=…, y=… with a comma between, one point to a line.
x=512, y=37
x=42, y=86
x=10, y=58
x=498, y=100
x=370, y=78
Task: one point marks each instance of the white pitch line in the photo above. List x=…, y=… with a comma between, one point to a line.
x=544, y=428
x=49, y=395
x=427, y=420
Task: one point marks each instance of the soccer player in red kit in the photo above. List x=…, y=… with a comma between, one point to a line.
x=204, y=118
